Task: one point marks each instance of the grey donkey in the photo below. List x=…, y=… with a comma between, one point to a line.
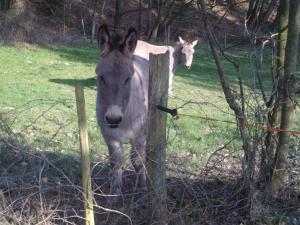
x=122, y=102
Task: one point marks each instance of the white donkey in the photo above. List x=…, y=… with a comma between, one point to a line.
x=122, y=101
x=180, y=53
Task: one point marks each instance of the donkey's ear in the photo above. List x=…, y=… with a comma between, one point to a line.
x=103, y=39
x=181, y=40
x=194, y=43
x=130, y=41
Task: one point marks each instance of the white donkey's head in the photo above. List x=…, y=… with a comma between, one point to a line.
x=187, y=52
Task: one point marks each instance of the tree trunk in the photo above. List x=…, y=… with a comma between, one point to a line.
x=288, y=105
x=153, y=33
x=274, y=116
x=258, y=14
x=253, y=13
x=118, y=14
x=283, y=31
x=94, y=20
x=5, y=5
x=140, y=18
x=148, y=17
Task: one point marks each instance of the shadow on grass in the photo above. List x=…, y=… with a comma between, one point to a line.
x=84, y=53
x=89, y=83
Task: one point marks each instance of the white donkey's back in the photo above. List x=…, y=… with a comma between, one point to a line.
x=180, y=53
x=143, y=49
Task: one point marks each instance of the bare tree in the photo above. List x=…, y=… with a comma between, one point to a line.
x=156, y=23
x=5, y=5
x=118, y=14
x=288, y=95
x=140, y=18
x=167, y=12
x=94, y=19
x=149, y=13
x=233, y=102
x=259, y=12
x=274, y=103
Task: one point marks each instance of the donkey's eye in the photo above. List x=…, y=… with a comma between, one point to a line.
x=102, y=80
x=127, y=80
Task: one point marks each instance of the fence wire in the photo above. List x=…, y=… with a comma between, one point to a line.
x=40, y=168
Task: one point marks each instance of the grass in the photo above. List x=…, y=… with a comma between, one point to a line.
x=37, y=98
x=41, y=81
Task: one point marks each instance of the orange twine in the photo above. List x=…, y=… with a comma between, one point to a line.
x=272, y=129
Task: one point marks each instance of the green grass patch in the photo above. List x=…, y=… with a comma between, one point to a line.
x=37, y=98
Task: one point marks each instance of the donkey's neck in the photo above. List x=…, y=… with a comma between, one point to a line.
x=176, y=56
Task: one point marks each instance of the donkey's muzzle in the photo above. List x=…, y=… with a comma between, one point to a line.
x=187, y=67
x=113, y=121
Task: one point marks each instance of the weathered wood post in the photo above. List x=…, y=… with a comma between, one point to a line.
x=156, y=138
x=85, y=161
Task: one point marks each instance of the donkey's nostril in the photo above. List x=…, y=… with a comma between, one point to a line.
x=115, y=120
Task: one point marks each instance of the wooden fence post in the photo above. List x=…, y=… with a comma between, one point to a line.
x=85, y=161
x=156, y=138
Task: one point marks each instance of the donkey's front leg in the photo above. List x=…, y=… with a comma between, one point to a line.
x=116, y=160
x=138, y=156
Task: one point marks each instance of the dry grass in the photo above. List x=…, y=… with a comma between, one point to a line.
x=39, y=187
